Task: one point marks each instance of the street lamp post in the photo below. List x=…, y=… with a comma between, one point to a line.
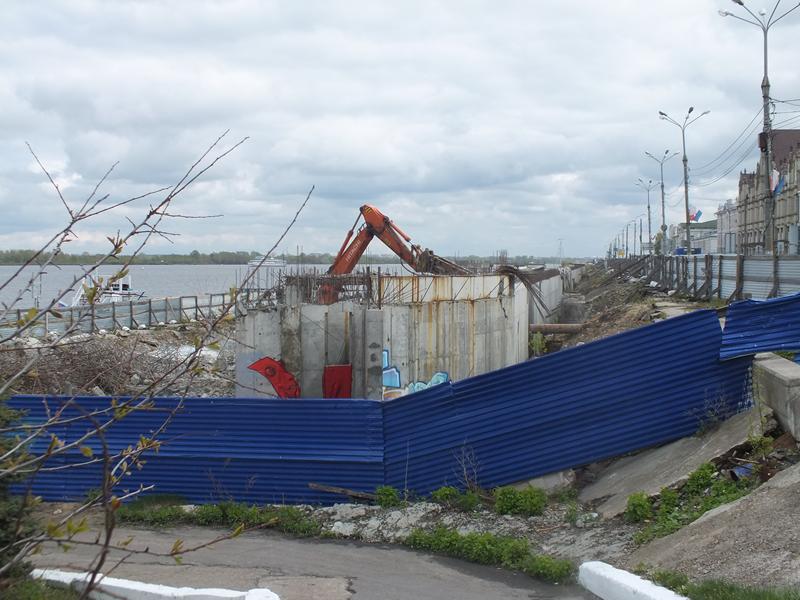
x=764, y=23
x=682, y=126
x=648, y=186
x=661, y=162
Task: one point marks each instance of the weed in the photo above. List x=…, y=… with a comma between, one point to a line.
x=489, y=549
x=387, y=497
x=537, y=344
x=452, y=498
x=548, y=568
x=528, y=502
x=639, y=508
x=717, y=590
x=565, y=494
x=787, y=354
x=31, y=589
x=571, y=516
x=703, y=491
x=287, y=519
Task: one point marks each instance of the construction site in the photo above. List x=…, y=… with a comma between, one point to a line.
x=632, y=409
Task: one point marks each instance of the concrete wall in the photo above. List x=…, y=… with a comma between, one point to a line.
x=307, y=338
x=551, y=291
x=777, y=383
x=460, y=337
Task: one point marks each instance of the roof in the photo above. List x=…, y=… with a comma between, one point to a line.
x=784, y=142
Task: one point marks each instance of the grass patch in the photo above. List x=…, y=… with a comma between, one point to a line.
x=489, y=549
x=718, y=590
x=639, y=508
x=452, y=498
x=705, y=489
x=387, y=497
x=34, y=589
x=528, y=502
x=286, y=519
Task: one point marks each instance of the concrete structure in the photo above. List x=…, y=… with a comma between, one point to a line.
x=126, y=589
x=651, y=470
x=777, y=383
x=727, y=227
x=752, y=193
x=462, y=326
x=610, y=583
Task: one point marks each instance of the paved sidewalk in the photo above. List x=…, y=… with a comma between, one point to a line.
x=311, y=569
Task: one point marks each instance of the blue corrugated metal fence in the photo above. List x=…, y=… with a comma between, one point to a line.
x=629, y=391
x=219, y=449
x=753, y=326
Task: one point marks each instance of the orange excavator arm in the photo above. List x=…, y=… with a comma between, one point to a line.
x=376, y=224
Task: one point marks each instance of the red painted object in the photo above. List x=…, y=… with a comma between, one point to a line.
x=337, y=381
x=282, y=381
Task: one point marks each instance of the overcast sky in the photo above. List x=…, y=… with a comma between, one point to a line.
x=474, y=125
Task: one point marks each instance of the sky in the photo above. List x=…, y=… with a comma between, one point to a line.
x=475, y=126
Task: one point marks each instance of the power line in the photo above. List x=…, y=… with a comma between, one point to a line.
x=722, y=156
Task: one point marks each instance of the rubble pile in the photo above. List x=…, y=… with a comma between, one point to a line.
x=125, y=362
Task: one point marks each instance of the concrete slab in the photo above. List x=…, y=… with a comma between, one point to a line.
x=651, y=470
x=549, y=483
x=777, y=382
x=752, y=541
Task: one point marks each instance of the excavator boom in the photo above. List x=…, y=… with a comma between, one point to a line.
x=376, y=224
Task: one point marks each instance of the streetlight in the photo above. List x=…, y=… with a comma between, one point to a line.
x=634, y=232
x=764, y=23
x=667, y=156
x=682, y=126
x=647, y=186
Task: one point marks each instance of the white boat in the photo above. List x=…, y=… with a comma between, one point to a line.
x=267, y=262
x=118, y=291
x=263, y=273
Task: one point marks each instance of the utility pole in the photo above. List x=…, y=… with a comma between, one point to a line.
x=626, y=239
x=661, y=162
x=682, y=126
x=649, y=186
x=764, y=23
x=640, y=232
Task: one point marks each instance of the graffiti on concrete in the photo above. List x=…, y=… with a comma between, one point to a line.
x=283, y=382
x=393, y=385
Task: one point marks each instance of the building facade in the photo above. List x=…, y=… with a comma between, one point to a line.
x=727, y=227
x=752, y=234
x=703, y=236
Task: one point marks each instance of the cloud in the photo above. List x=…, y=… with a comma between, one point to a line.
x=476, y=126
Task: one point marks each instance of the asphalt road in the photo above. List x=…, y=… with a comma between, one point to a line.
x=310, y=569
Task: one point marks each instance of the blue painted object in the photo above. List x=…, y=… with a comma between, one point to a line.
x=630, y=391
x=636, y=389
x=753, y=326
x=263, y=450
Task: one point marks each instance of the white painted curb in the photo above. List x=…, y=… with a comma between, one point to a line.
x=111, y=588
x=610, y=583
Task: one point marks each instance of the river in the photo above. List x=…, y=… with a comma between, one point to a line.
x=154, y=281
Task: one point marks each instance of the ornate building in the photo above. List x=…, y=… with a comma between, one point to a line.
x=752, y=194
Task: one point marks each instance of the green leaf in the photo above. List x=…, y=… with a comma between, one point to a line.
x=87, y=452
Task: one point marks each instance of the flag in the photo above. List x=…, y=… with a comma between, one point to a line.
x=697, y=215
x=774, y=180
x=779, y=188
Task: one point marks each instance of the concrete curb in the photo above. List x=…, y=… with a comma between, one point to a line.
x=113, y=588
x=610, y=583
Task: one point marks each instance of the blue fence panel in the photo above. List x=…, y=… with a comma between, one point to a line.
x=259, y=450
x=637, y=389
x=761, y=325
